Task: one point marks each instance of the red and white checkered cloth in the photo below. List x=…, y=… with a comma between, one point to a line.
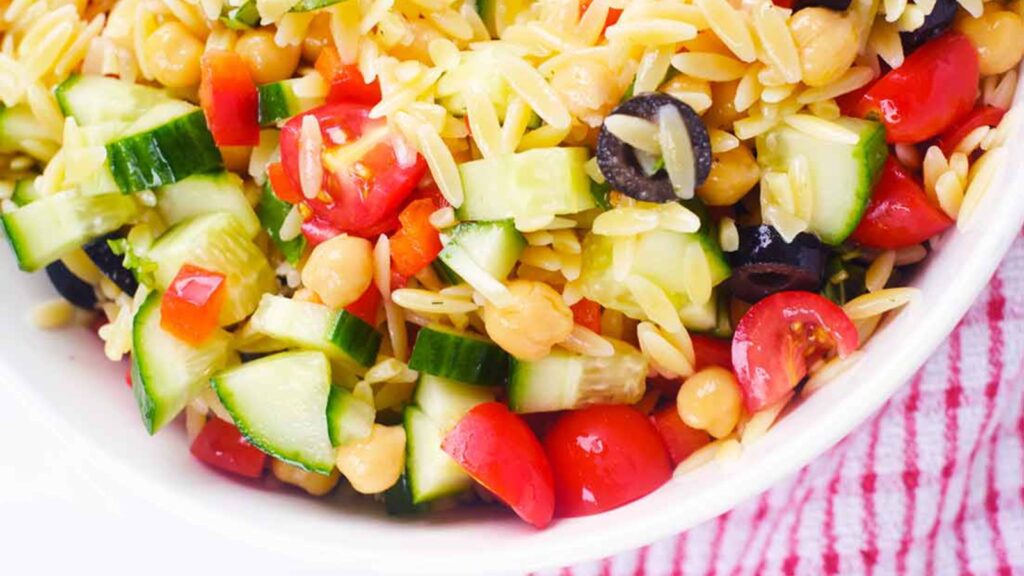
x=932, y=484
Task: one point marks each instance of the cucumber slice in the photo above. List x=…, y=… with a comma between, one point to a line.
x=841, y=175
x=566, y=381
x=247, y=15
x=340, y=335
x=398, y=499
x=459, y=356
x=49, y=228
x=24, y=192
x=447, y=401
x=477, y=70
x=432, y=473
x=167, y=144
x=166, y=372
x=272, y=211
x=531, y=184
x=279, y=404
x=17, y=124
x=219, y=243
x=659, y=259
x=348, y=417
x=92, y=100
x=206, y=193
x=278, y=102
x=495, y=247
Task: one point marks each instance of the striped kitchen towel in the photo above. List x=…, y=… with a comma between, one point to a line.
x=932, y=484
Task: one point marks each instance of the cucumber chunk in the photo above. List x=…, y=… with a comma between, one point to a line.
x=206, y=193
x=272, y=211
x=47, y=229
x=532, y=184
x=432, y=473
x=167, y=372
x=341, y=335
x=279, y=404
x=24, y=192
x=842, y=176
x=475, y=70
x=219, y=243
x=17, y=124
x=459, y=356
x=278, y=102
x=247, y=15
x=447, y=401
x=495, y=247
x=92, y=100
x=348, y=417
x=167, y=144
x=566, y=381
x=398, y=499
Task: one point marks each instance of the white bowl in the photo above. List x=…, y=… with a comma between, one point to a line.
x=67, y=375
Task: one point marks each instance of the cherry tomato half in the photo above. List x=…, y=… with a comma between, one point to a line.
x=680, y=439
x=367, y=306
x=499, y=450
x=604, y=457
x=222, y=446
x=345, y=80
x=779, y=337
x=934, y=88
x=365, y=181
x=229, y=99
x=899, y=213
x=983, y=116
x=190, y=308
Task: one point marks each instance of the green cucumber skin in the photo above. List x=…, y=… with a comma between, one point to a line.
x=277, y=103
x=247, y=16
x=24, y=192
x=459, y=357
x=272, y=211
x=398, y=499
x=342, y=406
x=495, y=246
x=872, y=153
x=355, y=338
x=164, y=155
x=454, y=480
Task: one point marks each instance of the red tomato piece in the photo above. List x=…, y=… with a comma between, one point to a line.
x=604, y=457
x=983, y=116
x=587, y=313
x=222, y=446
x=282, y=185
x=346, y=81
x=367, y=306
x=499, y=450
x=613, y=14
x=365, y=181
x=936, y=86
x=680, y=439
x=229, y=99
x=190, y=307
x=780, y=336
x=428, y=189
x=710, y=351
x=417, y=242
x=899, y=213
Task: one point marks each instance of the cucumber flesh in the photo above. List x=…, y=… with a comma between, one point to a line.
x=272, y=212
x=458, y=356
x=93, y=100
x=279, y=404
x=432, y=473
x=219, y=243
x=446, y=401
x=24, y=192
x=494, y=246
x=247, y=15
x=166, y=372
x=348, y=417
x=278, y=102
x=567, y=381
x=476, y=70
x=206, y=193
x=841, y=176
x=17, y=124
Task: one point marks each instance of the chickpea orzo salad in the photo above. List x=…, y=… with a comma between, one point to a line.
x=450, y=249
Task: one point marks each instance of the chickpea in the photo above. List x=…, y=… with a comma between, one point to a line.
x=733, y=174
x=537, y=319
x=173, y=54
x=374, y=464
x=694, y=92
x=236, y=158
x=723, y=108
x=339, y=270
x=267, y=61
x=588, y=87
x=313, y=483
x=318, y=36
x=999, y=37
x=827, y=43
x=711, y=400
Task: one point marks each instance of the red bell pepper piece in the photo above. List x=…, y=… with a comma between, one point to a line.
x=587, y=313
x=417, y=242
x=282, y=185
x=191, y=306
x=229, y=99
x=345, y=80
x=221, y=445
x=680, y=439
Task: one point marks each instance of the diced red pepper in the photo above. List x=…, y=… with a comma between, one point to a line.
x=229, y=99
x=345, y=80
x=191, y=306
x=983, y=116
x=282, y=185
x=680, y=439
x=587, y=313
x=710, y=351
x=417, y=242
x=221, y=445
x=367, y=306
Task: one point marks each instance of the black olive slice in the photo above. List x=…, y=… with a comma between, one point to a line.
x=112, y=265
x=834, y=5
x=765, y=263
x=934, y=25
x=618, y=161
x=72, y=288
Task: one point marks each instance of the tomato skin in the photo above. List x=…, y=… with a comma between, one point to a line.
x=417, y=243
x=367, y=306
x=771, y=346
x=711, y=351
x=936, y=86
x=604, y=457
x=191, y=306
x=229, y=99
x=983, y=116
x=499, y=450
x=345, y=80
x=899, y=213
x=587, y=313
x=680, y=439
x=221, y=445
x=365, y=198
